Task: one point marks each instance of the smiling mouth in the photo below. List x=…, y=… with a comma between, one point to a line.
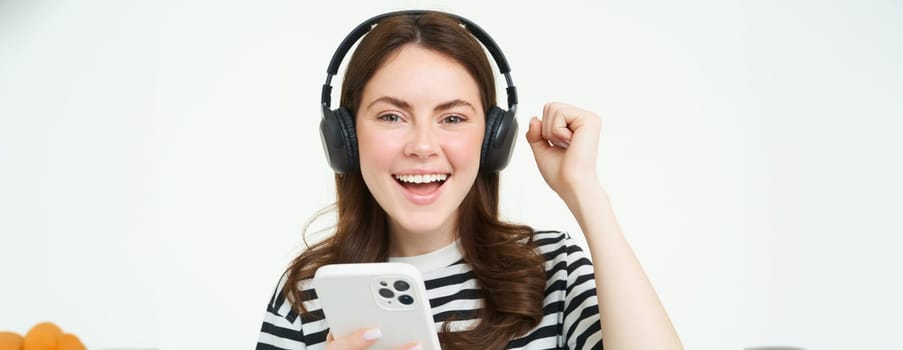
x=421, y=184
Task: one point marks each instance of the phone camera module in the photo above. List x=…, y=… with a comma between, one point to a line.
x=406, y=299
x=386, y=293
x=401, y=286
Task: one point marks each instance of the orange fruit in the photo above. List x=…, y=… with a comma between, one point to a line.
x=69, y=341
x=10, y=341
x=42, y=337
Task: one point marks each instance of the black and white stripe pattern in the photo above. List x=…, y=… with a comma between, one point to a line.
x=571, y=318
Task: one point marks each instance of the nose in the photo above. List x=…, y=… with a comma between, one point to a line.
x=422, y=142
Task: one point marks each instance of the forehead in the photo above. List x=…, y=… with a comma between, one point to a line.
x=422, y=76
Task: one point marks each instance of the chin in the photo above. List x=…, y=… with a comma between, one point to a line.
x=422, y=225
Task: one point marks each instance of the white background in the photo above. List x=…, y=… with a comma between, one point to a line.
x=159, y=159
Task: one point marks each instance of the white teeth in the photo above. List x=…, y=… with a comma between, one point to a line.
x=421, y=178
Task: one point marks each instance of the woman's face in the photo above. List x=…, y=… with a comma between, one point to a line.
x=420, y=129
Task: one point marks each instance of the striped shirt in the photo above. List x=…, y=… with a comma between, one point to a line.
x=571, y=319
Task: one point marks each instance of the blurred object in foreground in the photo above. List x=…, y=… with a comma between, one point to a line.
x=43, y=336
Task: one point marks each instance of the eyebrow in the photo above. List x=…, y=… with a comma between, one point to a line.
x=397, y=102
x=452, y=104
x=407, y=106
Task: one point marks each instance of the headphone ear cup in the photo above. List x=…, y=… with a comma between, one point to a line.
x=350, y=137
x=339, y=139
x=499, y=139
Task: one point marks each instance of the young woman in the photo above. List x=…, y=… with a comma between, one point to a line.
x=420, y=87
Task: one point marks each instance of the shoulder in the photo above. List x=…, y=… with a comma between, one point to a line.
x=544, y=238
x=279, y=304
x=552, y=244
x=563, y=255
x=282, y=305
x=284, y=327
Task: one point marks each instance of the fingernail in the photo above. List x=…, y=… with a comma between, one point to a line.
x=373, y=334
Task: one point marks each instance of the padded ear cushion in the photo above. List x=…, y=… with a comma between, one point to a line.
x=349, y=135
x=492, y=120
x=498, y=141
x=339, y=139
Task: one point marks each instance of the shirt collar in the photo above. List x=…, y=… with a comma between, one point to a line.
x=434, y=260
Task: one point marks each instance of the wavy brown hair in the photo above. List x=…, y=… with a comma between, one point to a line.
x=502, y=256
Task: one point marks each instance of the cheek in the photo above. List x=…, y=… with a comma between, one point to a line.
x=465, y=149
x=375, y=151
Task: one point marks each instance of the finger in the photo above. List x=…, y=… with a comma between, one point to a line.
x=548, y=113
x=329, y=338
x=561, y=132
x=584, y=141
x=410, y=346
x=555, y=127
x=534, y=137
x=585, y=123
x=534, y=131
x=359, y=340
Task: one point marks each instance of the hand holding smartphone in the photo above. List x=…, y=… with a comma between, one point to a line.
x=389, y=296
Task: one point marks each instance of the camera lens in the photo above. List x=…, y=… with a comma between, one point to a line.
x=386, y=293
x=401, y=286
x=406, y=299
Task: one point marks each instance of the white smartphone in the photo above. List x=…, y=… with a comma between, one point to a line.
x=390, y=296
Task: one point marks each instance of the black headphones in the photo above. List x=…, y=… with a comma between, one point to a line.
x=337, y=126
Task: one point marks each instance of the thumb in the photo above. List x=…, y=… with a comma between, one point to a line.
x=359, y=340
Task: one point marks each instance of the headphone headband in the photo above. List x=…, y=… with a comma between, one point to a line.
x=366, y=26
